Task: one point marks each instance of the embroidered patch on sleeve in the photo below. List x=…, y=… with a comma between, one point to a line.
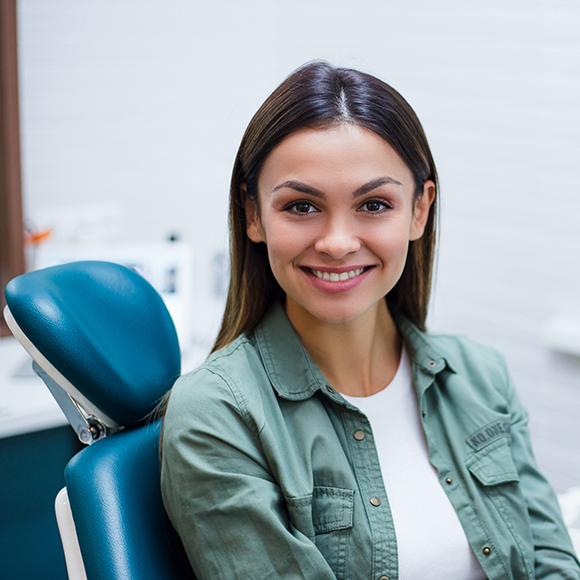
x=489, y=433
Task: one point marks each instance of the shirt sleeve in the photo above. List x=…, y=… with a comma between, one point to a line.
x=554, y=555
x=220, y=493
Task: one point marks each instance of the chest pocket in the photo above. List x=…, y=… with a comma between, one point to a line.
x=493, y=467
x=326, y=518
x=494, y=464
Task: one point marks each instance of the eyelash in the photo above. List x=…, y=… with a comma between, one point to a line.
x=292, y=207
x=385, y=205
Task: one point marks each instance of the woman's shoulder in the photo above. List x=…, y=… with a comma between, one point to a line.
x=233, y=375
x=473, y=363
x=461, y=355
x=462, y=348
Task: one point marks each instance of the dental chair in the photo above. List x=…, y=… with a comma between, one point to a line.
x=105, y=345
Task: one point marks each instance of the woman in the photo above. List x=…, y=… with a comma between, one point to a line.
x=328, y=435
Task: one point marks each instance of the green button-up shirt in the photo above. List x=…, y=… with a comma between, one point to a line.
x=265, y=473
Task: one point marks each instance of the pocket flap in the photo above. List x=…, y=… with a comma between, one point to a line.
x=332, y=508
x=494, y=464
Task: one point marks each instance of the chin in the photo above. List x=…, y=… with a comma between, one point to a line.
x=333, y=313
x=338, y=317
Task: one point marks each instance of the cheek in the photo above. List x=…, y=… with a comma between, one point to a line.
x=391, y=241
x=284, y=245
x=284, y=238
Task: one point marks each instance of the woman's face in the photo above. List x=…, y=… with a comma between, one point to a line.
x=337, y=212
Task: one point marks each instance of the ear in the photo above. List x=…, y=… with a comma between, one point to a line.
x=253, y=225
x=421, y=210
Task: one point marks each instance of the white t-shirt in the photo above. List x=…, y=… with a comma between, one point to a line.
x=430, y=540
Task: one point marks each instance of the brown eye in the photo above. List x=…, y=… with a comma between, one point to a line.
x=301, y=207
x=375, y=206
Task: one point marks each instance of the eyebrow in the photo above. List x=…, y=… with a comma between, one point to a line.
x=362, y=190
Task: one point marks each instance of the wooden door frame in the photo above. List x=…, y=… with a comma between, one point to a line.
x=11, y=219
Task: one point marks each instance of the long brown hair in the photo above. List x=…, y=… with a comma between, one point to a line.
x=318, y=95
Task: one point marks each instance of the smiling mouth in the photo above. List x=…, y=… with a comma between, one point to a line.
x=335, y=277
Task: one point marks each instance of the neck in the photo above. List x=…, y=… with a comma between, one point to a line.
x=357, y=357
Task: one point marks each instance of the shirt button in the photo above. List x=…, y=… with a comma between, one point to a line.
x=424, y=414
x=432, y=363
x=329, y=389
x=359, y=435
x=448, y=481
x=486, y=550
x=384, y=578
x=375, y=501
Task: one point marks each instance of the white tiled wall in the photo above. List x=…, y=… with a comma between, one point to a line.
x=141, y=104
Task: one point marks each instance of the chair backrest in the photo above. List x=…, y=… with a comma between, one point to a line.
x=106, y=346
x=115, y=498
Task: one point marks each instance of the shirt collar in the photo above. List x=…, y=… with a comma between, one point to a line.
x=426, y=359
x=421, y=347
x=294, y=374
x=290, y=369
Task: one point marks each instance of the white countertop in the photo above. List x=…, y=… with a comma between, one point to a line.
x=26, y=404
x=575, y=537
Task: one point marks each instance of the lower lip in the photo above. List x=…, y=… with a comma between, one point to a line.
x=335, y=287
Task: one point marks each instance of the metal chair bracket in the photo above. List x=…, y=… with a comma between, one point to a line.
x=87, y=427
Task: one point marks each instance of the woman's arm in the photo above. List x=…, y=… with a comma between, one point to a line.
x=553, y=551
x=220, y=493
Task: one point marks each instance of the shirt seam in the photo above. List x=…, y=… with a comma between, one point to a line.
x=236, y=392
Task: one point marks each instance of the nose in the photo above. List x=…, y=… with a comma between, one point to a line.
x=338, y=239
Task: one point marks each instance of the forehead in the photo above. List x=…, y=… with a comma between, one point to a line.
x=345, y=154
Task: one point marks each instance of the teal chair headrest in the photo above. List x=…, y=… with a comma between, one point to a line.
x=105, y=329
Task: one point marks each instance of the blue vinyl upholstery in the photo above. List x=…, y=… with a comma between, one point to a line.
x=105, y=329
x=108, y=332
x=123, y=530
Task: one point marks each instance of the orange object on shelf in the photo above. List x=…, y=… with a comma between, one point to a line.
x=36, y=238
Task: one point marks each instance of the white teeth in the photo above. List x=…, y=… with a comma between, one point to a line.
x=333, y=277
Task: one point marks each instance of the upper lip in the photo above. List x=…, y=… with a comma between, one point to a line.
x=337, y=270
